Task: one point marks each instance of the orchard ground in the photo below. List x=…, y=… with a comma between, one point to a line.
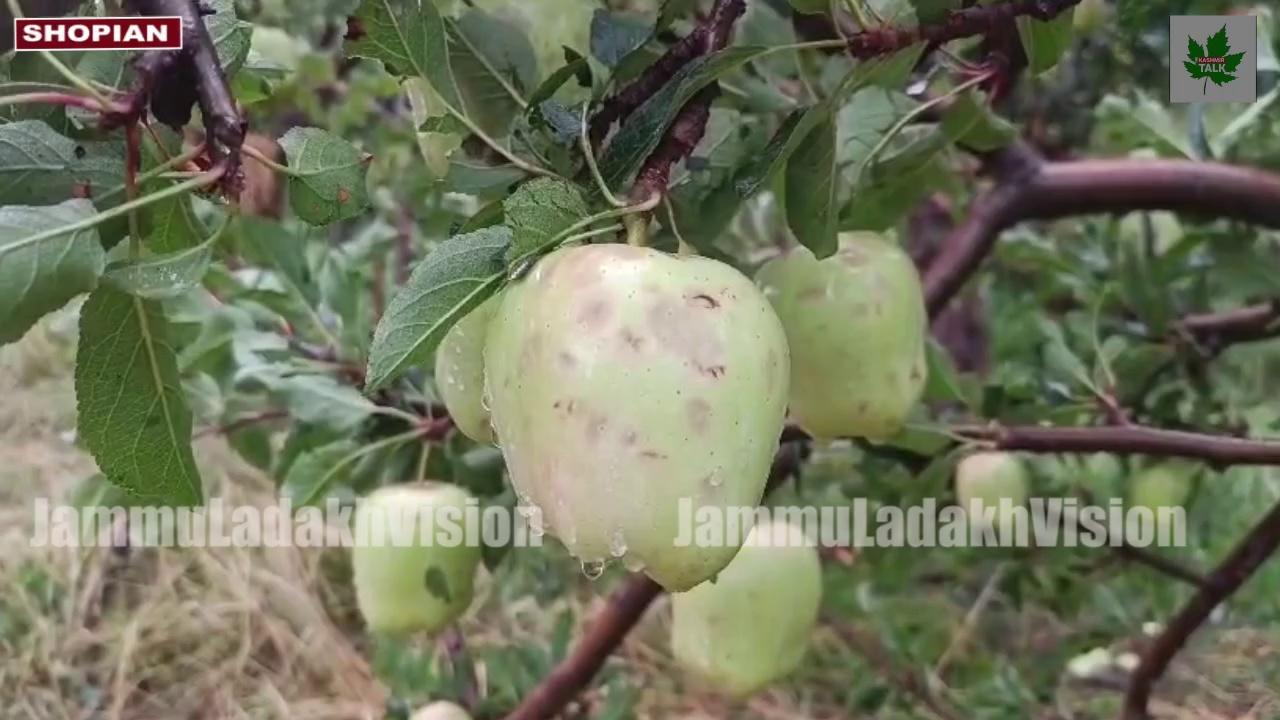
x=234, y=632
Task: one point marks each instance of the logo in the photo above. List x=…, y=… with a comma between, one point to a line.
x=1213, y=58
x=97, y=33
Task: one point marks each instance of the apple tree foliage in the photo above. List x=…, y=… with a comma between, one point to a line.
x=432, y=154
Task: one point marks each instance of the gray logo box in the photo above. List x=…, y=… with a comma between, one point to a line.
x=1225, y=72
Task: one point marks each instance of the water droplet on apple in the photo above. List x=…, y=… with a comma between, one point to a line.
x=618, y=544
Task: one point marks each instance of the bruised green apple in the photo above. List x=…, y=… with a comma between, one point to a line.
x=989, y=478
x=1162, y=486
x=460, y=372
x=856, y=323
x=440, y=710
x=413, y=568
x=751, y=625
x=626, y=384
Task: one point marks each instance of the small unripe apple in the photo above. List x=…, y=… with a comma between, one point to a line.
x=1164, y=485
x=856, y=323
x=440, y=710
x=460, y=372
x=1090, y=15
x=626, y=383
x=751, y=625
x=405, y=581
x=989, y=478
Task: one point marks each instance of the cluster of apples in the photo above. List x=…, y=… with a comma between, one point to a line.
x=619, y=381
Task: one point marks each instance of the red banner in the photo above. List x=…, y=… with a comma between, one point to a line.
x=94, y=33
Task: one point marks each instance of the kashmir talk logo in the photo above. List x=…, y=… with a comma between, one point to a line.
x=1213, y=58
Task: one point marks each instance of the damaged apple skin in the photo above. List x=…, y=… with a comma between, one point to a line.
x=624, y=381
x=857, y=326
x=459, y=372
x=751, y=626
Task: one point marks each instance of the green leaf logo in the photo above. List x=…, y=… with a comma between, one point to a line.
x=1211, y=61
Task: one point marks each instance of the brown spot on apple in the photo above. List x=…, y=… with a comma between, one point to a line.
x=595, y=314
x=699, y=412
x=704, y=300
x=631, y=339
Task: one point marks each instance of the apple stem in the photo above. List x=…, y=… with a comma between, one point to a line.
x=637, y=226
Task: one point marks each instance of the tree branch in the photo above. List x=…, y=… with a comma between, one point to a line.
x=1216, y=331
x=623, y=610
x=1160, y=564
x=1216, y=450
x=684, y=135
x=1238, y=567
x=977, y=20
x=175, y=79
x=710, y=35
x=1047, y=190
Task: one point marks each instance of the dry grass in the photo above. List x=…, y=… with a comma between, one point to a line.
x=147, y=633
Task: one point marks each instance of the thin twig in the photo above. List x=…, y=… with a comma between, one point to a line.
x=1216, y=450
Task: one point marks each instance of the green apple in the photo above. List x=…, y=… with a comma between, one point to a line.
x=989, y=478
x=626, y=384
x=1091, y=15
x=751, y=625
x=1165, y=485
x=411, y=575
x=440, y=710
x=460, y=372
x=857, y=325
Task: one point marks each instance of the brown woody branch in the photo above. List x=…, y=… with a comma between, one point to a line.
x=1238, y=567
x=1028, y=188
x=1218, y=451
x=1215, y=331
x=622, y=611
x=679, y=142
x=977, y=20
x=710, y=35
x=175, y=79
